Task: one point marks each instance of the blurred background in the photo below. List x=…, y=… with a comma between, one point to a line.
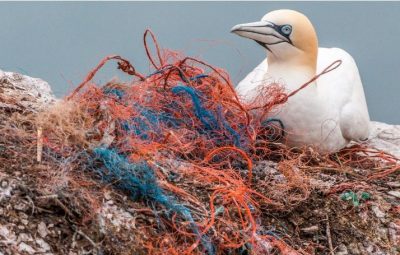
x=61, y=41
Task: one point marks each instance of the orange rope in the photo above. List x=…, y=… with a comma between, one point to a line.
x=241, y=152
x=123, y=64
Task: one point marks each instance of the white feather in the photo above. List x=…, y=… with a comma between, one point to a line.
x=327, y=114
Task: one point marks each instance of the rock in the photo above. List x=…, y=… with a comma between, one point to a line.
x=369, y=248
x=24, y=237
x=385, y=137
x=393, y=184
x=5, y=190
x=9, y=236
x=394, y=193
x=6, y=187
x=117, y=217
x=310, y=230
x=42, y=229
x=362, y=248
x=4, y=184
x=378, y=213
x=107, y=195
x=20, y=92
x=44, y=247
x=23, y=247
x=21, y=206
x=342, y=250
x=353, y=248
x=382, y=233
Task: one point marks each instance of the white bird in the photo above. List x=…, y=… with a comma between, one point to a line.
x=328, y=113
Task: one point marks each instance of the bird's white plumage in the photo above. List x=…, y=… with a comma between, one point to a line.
x=327, y=114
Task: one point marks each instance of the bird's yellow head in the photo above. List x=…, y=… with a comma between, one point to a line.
x=288, y=36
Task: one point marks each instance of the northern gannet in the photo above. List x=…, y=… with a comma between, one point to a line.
x=328, y=113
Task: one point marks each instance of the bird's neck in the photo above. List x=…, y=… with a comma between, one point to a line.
x=291, y=73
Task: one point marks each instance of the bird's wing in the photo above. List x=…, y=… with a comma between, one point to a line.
x=247, y=88
x=342, y=89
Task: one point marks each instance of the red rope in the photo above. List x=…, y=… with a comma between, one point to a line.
x=153, y=37
x=123, y=64
x=241, y=152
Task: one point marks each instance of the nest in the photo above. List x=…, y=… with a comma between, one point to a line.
x=180, y=145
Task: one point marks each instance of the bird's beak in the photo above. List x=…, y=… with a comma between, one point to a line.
x=263, y=32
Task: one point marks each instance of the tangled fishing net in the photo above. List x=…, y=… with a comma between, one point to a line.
x=180, y=144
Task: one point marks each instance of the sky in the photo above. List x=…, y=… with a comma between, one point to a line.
x=61, y=41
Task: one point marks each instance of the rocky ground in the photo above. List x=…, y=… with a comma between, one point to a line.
x=364, y=221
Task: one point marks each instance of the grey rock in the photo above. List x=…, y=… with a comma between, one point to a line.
x=24, y=237
x=29, y=93
x=312, y=229
x=342, y=250
x=393, y=184
x=23, y=247
x=24, y=221
x=385, y=137
x=353, y=248
x=44, y=247
x=5, y=190
x=382, y=233
x=395, y=193
x=8, y=235
x=378, y=213
x=21, y=206
x=42, y=229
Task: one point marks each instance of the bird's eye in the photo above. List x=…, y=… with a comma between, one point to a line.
x=286, y=29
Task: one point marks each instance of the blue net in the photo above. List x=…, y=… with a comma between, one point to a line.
x=138, y=180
